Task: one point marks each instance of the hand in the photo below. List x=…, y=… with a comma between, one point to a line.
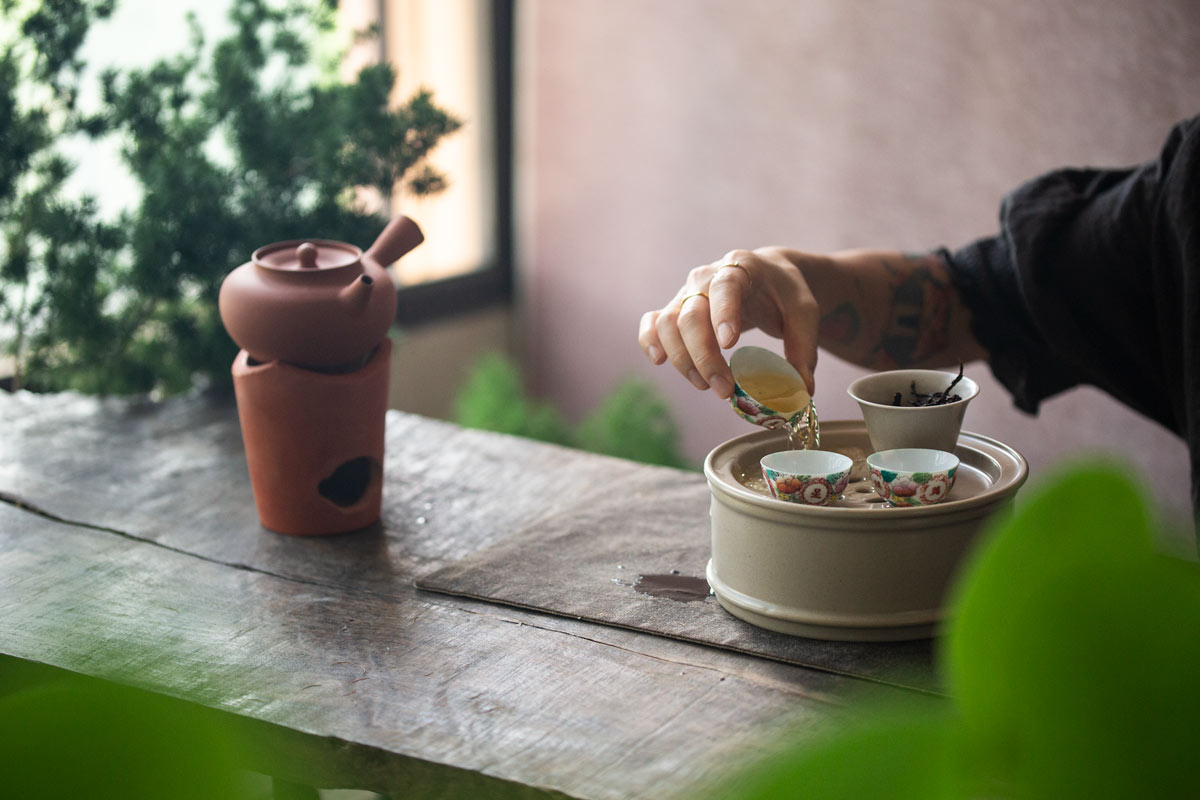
x=746, y=289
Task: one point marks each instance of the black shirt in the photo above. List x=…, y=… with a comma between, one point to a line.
x=1095, y=278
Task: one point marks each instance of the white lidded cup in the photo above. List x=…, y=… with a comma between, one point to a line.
x=892, y=427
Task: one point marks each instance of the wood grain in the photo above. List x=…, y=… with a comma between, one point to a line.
x=130, y=551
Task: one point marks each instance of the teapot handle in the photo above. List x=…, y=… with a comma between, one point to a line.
x=400, y=236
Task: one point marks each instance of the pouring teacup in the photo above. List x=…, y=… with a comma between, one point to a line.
x=768, y=391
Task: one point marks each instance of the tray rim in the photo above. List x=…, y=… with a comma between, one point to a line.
x=1014, y=471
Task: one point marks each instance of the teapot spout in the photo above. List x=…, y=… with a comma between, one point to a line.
x=354, y=298
x=400, y=236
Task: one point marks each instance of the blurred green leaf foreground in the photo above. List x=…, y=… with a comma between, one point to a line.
x=1072, y=664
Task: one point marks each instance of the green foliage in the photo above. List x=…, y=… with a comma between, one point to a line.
x=899, y=754
x=233, y=146
x=1071, y=661
x=493, y=398
x=75, y=737
x=1076, y=649
x=632, y=422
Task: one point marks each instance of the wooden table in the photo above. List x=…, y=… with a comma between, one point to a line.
x=130, y=550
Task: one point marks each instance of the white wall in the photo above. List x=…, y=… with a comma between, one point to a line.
x=655, y=136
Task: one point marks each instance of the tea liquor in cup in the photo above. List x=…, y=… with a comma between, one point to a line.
x=768, y=391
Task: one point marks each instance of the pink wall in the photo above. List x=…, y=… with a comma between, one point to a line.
x=655, y=136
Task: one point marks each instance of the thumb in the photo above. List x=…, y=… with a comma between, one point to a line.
x=800, y=349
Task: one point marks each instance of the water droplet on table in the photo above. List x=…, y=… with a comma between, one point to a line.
x=684, y=588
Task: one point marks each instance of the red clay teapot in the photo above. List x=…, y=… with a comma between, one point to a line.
x=316, y=303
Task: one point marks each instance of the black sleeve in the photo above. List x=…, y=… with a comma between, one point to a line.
x=1092, y=279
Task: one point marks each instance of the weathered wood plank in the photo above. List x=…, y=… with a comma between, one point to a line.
x=467, y=687
x=307, y=761
x=586, y=563
x=176, y=587
x=450, y=493
x=131, y=465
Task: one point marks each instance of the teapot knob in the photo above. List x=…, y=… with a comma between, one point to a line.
x=307, y=254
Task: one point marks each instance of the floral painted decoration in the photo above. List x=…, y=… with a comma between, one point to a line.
x=813, y=490
x=912, y=488
x=803, y=426
x=751, y=411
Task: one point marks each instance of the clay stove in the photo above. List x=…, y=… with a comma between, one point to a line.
x=311, y=380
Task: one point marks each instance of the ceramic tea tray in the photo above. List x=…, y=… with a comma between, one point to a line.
x=857, y=570
x=989, y=470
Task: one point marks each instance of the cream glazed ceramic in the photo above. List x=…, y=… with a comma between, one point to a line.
x=858, y=570
x=891, y=427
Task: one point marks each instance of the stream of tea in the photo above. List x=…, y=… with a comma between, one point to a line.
x=804, y=431
x=786, y=394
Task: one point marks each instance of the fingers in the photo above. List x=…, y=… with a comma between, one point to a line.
x=679, y=315
x=682, y=332
x=658, y=335
x=745, y=289
x=648, y=330
x=729, y=286
x=801, y=353
x=694, y=324
x=648, y=338
x=766, y=289
x=799, y=334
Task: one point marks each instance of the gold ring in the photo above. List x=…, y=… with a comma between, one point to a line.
x=687, y=297
x=738, y=266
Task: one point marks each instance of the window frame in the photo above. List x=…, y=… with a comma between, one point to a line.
x=492, y=283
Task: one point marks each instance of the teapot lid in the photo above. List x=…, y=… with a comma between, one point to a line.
x=306, y=254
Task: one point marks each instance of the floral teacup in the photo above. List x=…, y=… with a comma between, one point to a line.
x=767, y=390
x=912, y=476
x=812, y=477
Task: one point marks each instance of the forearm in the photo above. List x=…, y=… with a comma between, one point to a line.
x=887, y=310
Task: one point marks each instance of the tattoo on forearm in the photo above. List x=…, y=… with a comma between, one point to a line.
x=918, y=325
x=841, y=326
